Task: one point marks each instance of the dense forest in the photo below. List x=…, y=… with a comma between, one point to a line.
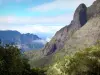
x=13, y=62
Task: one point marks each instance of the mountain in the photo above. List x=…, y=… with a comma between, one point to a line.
x=24, y=41
x=63, y=35
x=58, y=41
x=82, y=32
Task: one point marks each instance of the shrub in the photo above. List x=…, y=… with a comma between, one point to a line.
x=12, y=61
x=39, y=71
x=85, y=62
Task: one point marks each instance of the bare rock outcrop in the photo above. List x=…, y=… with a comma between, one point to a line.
x=58, y=41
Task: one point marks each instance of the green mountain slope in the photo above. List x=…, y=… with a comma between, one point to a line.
x=82, y=32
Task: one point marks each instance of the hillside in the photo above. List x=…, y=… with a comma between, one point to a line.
x=82, y=32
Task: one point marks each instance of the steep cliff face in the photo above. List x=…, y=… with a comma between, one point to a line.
x=58, y=41
x=85, y=36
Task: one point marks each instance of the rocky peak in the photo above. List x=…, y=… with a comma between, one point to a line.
x=57, y=42
x=79, y=19
x=81, y=7
x=80, y=16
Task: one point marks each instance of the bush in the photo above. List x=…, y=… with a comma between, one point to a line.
x=12, y=61
x=85, y=62
x=38, y=71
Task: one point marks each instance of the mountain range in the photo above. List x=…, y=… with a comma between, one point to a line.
x=82, y=32
x=24, y=41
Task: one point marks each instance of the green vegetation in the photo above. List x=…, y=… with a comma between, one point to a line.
x=12, y=62
x=85, y=62
x=39, y=71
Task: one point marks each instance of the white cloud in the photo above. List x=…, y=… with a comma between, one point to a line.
x=60, y=5
x=40, y=41
x=32, y=28
x=35, y=24
x=48, y=39
x=30, y=24
x=61, y=19
x=57, y=4
x=38, y=29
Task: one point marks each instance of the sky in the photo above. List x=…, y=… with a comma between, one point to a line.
x=41, y=17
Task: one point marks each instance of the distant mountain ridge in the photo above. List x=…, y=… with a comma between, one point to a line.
x=24, y=41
